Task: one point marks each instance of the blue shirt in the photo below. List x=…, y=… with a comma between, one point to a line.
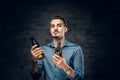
x=74, y=58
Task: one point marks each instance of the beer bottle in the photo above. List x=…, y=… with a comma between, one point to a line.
x=58, y=49
x=40, y=56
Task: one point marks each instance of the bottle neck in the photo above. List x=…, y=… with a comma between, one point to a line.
x=58, y=42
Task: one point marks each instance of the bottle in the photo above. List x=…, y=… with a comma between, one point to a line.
x=40, y=56
x=58, y=49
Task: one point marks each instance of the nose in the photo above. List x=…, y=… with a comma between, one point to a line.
x=55, y=27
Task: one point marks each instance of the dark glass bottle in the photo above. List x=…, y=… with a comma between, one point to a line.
x=40, y=56
x=58, y=49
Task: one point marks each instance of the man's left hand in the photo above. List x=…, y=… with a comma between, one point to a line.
x=59, y=61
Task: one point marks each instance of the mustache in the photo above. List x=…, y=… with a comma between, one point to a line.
x=56, y=31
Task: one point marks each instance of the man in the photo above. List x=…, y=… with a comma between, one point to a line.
x=69, y=66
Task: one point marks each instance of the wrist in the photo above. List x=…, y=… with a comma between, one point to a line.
x=66, y=67
x=34, y=60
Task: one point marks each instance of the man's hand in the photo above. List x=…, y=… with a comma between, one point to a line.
x=59, y=61
x=35, y=51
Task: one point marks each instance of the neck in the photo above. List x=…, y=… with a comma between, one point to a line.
x=56, y=42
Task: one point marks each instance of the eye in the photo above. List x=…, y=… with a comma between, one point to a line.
x=52, y=26
x=59, y=25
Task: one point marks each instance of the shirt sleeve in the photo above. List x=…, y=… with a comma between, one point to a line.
x=78, y=63
x=37, y=75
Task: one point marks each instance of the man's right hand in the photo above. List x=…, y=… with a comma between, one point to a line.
x=35, y=51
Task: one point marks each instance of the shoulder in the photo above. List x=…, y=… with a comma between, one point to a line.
x=71, y=44
x=48, y=45
x=75, y=48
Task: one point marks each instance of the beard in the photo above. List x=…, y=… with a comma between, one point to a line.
x=58, y=38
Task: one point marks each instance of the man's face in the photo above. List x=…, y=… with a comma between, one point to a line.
x=57, y=28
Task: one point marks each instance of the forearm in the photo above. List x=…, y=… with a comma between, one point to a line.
x=73, y=75
x=72, y=72
x=35, y=71
x=35, y=67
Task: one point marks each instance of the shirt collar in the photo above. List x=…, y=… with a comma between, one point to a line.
x=64, y=44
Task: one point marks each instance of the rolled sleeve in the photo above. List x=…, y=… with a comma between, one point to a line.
x=37, y=75
x=78, y=64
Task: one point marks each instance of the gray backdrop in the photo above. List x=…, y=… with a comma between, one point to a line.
x=92, y=25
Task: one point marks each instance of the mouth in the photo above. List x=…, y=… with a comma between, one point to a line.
x=55, y=33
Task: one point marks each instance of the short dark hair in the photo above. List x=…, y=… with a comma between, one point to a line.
x=59, y=17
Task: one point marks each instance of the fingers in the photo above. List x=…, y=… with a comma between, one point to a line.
x=55, y=62
x=57, y=59
x=35, y=50
x=33, y=47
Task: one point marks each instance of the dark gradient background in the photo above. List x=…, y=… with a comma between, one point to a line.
x=92, y=24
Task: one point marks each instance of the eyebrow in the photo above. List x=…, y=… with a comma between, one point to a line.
x=57, y=24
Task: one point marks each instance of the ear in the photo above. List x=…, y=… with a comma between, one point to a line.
x=66, y=29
